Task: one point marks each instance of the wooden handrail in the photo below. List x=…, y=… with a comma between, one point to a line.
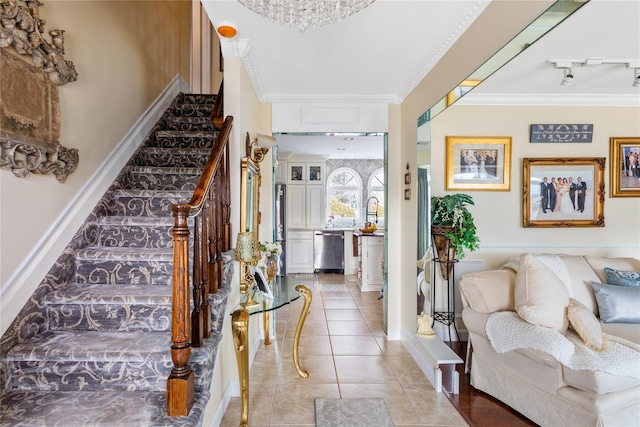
x=209, y=208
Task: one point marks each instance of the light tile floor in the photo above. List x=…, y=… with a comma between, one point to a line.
x=347, y=355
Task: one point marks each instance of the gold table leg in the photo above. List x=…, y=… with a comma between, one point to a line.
x=306, y=293
x=266, y=321
x=240, y=328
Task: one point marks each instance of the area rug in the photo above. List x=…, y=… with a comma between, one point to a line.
x=352, y=413
x=328, y=287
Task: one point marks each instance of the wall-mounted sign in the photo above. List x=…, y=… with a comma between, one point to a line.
x=561, y=133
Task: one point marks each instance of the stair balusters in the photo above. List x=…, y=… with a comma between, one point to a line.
x=211, y=237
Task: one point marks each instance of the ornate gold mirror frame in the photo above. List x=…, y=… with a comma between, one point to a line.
x=31, y=69
x=249, y=196
x=250, y=205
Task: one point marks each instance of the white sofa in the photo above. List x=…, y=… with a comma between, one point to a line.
x=517, y=322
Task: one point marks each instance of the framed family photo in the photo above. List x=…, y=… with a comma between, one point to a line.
x=624, y=172
x=478, y=163
x=563, y=192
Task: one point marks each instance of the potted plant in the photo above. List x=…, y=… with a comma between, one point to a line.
x=452, y=229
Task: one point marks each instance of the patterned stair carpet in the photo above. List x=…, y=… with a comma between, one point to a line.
x=92, y=345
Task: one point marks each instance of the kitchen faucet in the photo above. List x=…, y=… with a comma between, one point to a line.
x=373, y=213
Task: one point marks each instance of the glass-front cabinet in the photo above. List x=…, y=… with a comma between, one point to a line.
x=305, y=173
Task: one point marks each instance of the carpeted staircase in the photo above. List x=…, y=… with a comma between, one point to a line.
x=92, y=345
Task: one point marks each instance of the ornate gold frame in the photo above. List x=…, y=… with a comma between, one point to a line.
x=534, y=168
x=616, y=157
x=455, y=178
x=249, y=195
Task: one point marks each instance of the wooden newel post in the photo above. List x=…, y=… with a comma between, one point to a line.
x=180, y=384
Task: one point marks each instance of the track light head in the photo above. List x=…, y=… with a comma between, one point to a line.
x=568, y=77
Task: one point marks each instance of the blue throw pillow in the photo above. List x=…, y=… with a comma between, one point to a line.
x=617, y=304
x=622, y=277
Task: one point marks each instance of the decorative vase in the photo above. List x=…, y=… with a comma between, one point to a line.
x=446, y=252
x=272, y=266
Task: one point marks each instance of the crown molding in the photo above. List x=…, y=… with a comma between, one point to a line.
x=275, y=98
x=579, y=100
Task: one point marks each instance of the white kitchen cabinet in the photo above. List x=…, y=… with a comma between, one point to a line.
x=299, y=252
x=315, y=206
x=305, y=172
x=305, y=206
x=280, y=175
x=350, y=261
x=371, y=251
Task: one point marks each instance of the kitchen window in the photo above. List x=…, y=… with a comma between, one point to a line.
x=376, y=189
x=344, y=195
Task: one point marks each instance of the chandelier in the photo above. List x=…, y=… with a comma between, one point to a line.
x=305, y=14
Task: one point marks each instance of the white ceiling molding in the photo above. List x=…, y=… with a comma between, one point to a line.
x=590, y=100
x=432, y=57
x=331, y=98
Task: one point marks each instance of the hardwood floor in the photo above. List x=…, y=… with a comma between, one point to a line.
x=478, y=408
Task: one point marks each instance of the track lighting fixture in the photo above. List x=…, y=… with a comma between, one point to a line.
x=568, y=77
x=567, y=65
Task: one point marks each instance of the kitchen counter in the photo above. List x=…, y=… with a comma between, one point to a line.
x=377, y=233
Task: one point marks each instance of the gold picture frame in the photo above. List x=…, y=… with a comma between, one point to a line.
x=578, y=202
x=478, y=163
x=624, y=170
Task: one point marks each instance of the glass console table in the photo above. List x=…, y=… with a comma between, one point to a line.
x=285, y=290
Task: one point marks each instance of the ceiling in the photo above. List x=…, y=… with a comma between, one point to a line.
x=381, y=53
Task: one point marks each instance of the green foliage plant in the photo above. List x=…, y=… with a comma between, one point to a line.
x=451, y=210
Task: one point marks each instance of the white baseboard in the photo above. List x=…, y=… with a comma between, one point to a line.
x=24, y=281
x=232, y=390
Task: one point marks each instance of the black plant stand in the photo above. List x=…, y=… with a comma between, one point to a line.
x=448, y=317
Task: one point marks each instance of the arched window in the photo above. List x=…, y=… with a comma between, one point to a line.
x=344, y=194
x=375, y=189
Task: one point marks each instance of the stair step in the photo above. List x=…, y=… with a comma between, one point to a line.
x=181, y=139
x=104, y=361
x=124, y=266
x=96, y=408
x=109, y=308
x=135, y=231
x=90, y=360
x=138, y=231
x=157, y=156
x=192, y=110
x=163, y=178
x=190, y=123
x=199, y=98
x=154, y=203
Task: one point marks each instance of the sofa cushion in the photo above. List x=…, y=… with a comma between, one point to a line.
x=622, y=277
x=617, y=304
x=489, y=291
x=585, y=323
x=598, y=264
x=541, y=298
x=581, y=274
x=596, y=381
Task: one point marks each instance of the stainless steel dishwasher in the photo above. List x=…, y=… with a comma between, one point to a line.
x=328, y=251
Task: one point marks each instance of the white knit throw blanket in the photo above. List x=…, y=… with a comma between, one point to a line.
x=507, y=331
